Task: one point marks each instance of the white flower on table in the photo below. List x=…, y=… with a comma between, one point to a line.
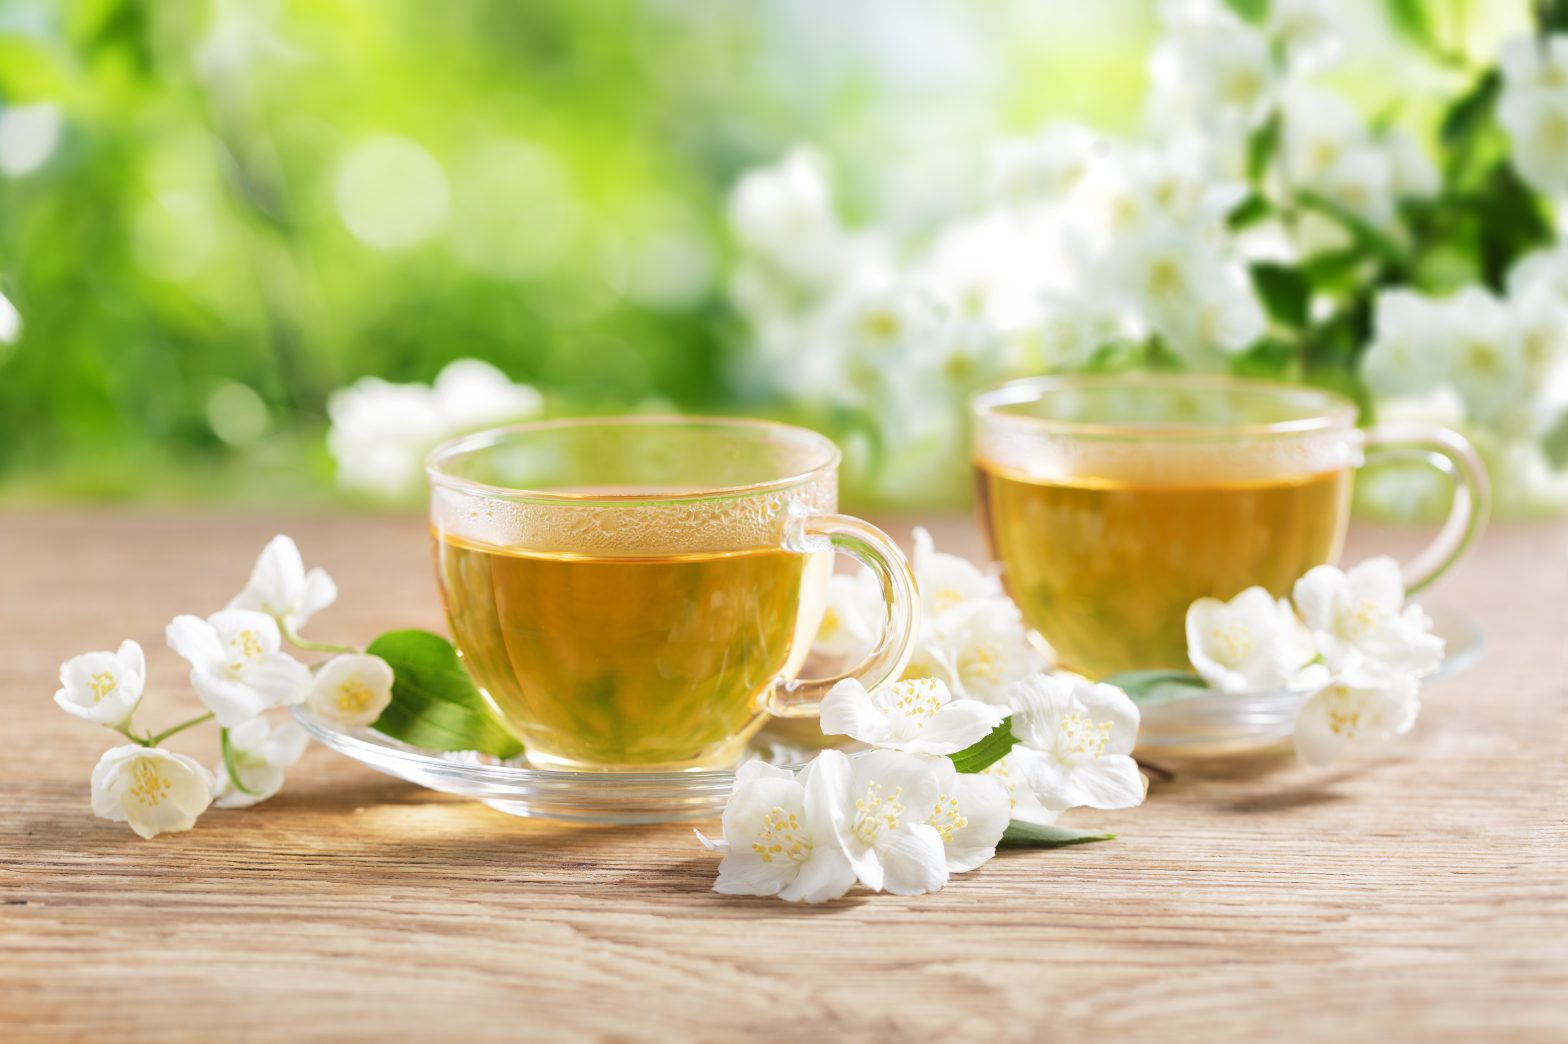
x=881, y=805
x=918, y=715
x=351, y=690
x=259, y=754
x=236, y=666
x=1343, y=716
x=1025, y=806
x=981, y=649
x=1361, y=624
x=103, y=687
x=1251, y=643
x=1533, y=109
x=1075, y=743
x=971, y=814
x=154, y=790
x=779, y=839
x=280, y=587
x=946, y=581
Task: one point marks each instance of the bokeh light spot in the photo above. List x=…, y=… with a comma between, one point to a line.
x=28, y=136
x=237, y=414
x=391, y=193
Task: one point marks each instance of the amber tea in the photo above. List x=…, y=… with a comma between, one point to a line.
x=1105, y=570
x=625, y=662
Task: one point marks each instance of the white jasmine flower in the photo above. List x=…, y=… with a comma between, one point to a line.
x=1482, y=355
x=1547, y=268
x=972, y=812
x=1343, y=716
x=882, y=804
x=1076, y=742
x=351, y=690
x=918, y=715
x=103, y=687
x=1533, y=109
x=1362, y=181
x=946, y=581
x=1361, y=624
x=981, y=648
x=1201, y=304
x=784, y=216
x=154, y=790
x=280, y=587
x=779, y=838
x=1320, y=128
x=1308, y=30
x=1042, y=168
x=236, y=666
x=1210, y=70
x=259, y=753
x=471, y=394
x=1400, y=361
x=1251, y=643
x=851, y=618
x=1024, y=805
x=381, y=431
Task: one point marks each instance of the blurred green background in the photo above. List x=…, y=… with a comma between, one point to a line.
x=244, y=205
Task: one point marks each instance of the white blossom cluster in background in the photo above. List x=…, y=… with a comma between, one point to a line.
x=382, y=431
x=1088, y=251
x=902, y=818
x=1350, y=641
x=241, y=672
x=1496, y=367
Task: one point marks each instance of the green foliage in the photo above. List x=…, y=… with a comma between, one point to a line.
x=1157, y=686
x=1262, y=145
x=1033, y=835
x=1286, y=293
x=435, y=704
x=988, y=751
x=1410, y=18
x=1552, y=15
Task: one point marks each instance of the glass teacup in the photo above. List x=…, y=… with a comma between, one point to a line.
x=638, y=594
x=1113, y=501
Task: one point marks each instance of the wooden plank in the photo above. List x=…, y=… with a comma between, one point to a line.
x=1419, y=895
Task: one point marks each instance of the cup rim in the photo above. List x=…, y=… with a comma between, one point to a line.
x=453, y=448
x=1335, y=411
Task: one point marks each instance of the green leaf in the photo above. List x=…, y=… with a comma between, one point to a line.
x=1471, y=112
x=988, y=751
x=1032, y=835
x=1252, y=10
x=1366, y=235
x=435, y=704
x=1157, y=686
x=1285, y=292
x=1409, y=17
x=1555, y=443
x=1249, y=212
x=1261, y=146
x=1551, y=16
x=1511, y=221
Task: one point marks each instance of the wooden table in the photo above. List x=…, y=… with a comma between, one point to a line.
x=1416, y=896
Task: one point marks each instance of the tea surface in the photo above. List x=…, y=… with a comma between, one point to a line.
x=1106, y=571
x=645, y=663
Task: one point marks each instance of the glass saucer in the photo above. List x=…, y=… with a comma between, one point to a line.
x=1221, y=723
x=520, y=790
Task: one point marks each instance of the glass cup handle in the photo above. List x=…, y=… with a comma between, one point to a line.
x=874, y=549
x=1450, y=453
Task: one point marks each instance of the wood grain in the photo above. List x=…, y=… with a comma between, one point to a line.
x=1416, y=896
